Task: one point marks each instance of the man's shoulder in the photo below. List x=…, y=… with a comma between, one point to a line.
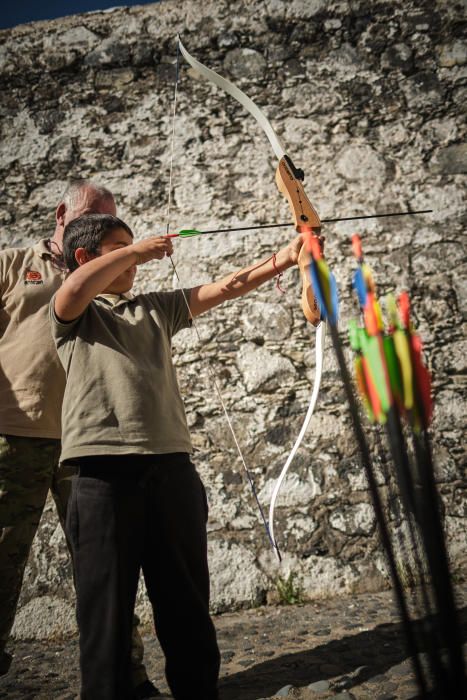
x=12, y=260
x=19, y=253
x=14, y=253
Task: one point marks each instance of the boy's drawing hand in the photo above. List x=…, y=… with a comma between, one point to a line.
x=156, y=247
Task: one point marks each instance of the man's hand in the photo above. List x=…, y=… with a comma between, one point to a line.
x=154, y=248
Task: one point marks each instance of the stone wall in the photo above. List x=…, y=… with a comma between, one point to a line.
x=368, y=98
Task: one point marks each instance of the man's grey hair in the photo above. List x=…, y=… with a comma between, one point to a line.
x=74, y=192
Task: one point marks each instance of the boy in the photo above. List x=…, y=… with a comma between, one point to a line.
x=137, y=501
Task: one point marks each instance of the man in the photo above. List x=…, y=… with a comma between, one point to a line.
x=32, y=382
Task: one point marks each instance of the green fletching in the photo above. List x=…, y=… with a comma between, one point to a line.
x=372, y=352
x=187, y=232
x=392, y=363
x=354, y=337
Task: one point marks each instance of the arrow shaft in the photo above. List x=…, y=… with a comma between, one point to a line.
x=191, y=233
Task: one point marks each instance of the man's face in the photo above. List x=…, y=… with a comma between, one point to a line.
x=119, y=238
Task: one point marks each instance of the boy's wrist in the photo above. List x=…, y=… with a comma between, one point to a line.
x=138, y=255
x=283, y=260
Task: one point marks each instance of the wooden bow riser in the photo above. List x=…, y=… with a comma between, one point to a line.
x=306, y=219
x=307, y=222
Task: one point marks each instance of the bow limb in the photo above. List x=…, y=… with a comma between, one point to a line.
x=288, y=178
x=289, y=181
x=319, y=354
x=238, y=95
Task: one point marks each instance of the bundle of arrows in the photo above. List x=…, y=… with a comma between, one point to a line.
x=395, y=389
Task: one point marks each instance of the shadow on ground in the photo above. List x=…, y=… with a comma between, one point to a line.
x=360, y=657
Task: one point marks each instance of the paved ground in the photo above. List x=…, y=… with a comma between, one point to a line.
x=344, y=648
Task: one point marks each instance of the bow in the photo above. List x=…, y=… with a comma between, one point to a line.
x=306, y=221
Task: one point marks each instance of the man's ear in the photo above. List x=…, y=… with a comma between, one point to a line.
x=60, y=214
x=82, y=256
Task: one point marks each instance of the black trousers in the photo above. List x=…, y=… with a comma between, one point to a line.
x=128, y=513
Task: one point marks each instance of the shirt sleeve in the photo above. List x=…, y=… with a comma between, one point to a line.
x=174, y=307
x=62, y=331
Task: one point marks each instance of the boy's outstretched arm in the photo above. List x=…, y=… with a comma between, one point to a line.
x=96, y=274
x=206, y=296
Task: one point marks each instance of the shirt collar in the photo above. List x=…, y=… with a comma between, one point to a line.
x=42, y=248
x=114, y=299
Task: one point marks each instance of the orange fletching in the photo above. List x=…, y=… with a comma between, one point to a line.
x=357, y=246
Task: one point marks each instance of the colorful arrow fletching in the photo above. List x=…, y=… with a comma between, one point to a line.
x=186, y=233
x=374, y=356
x=373, y=395
x=354, y=336
x=368, y=276
x=371, y=316
x=392, y=364
x=401, y=345
x=363, y=388
x=404, y=310
x=357, y=247
x=325, y=289
x=359, y=285
x=391, y=307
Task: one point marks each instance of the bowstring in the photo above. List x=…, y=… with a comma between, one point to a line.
x=194, y=325
x=172, y=143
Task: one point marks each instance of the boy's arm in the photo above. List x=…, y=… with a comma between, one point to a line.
x=206, y=296
x=95, y=275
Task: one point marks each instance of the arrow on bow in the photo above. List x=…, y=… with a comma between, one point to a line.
x=189, y=233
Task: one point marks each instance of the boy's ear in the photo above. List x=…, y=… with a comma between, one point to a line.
x=82, y=256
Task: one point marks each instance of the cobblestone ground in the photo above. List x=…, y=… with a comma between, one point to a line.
x=344, y=648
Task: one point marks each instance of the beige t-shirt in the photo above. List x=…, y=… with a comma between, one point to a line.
x=122, y=394
x=32, y=380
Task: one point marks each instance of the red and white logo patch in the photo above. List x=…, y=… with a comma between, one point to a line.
x=33, y=277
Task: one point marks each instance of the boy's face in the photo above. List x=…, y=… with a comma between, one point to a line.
x=119, y=238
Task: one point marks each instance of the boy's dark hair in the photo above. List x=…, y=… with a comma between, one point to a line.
x=88, y=232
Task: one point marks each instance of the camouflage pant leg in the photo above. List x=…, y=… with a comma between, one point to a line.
x=61, y=487
x=26, y=469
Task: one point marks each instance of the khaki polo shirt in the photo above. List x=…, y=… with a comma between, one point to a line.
x=122, y=394
x=32, y=380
